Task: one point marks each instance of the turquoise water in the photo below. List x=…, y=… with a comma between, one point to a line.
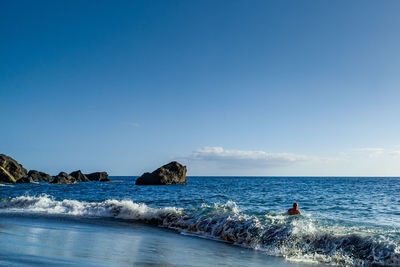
x=345, y=221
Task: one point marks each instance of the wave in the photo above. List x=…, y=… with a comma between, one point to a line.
x=8, y=185
x=295, y=238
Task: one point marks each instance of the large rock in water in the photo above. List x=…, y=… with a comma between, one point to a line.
x=63, y=178
x=171, y=173
x=10, y=169
x=98, y=176
x=79, y=176
x=39, y=176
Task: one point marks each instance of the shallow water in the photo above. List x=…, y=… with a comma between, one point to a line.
x=345, y=221
x=66, y=241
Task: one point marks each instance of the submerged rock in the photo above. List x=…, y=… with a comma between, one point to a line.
x=98, y=176
x=10, y=169
x=79, y=176
x=63, y=178
x=25, y=180
x=171, y=173
x=38, y=176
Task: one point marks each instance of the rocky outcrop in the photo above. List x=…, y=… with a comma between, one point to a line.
x=63, y=178
x=98, y=176
x=10, y=169
x=79, y=176
x=5, y=176
x=13, y=172
x=25, y=180
x=171, y=173
x=38, y=176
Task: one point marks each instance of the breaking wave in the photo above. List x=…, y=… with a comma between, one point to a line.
x=294, y=238
x=8, y=185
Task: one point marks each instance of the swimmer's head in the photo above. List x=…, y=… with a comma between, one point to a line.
x=295, y=205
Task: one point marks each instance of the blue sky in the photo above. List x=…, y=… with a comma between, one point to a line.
x=226, y=87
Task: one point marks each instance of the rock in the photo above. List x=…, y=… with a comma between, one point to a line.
x=171, y=173
x=25, y=180
x=5, y=176
x=63, y=178
x=10, y=169
x=98, y=176
x=39, y=176
x=79, y=176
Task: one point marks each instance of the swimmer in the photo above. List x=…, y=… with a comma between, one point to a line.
x=294, y=210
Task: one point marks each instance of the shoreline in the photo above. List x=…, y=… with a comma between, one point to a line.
x=43, y=240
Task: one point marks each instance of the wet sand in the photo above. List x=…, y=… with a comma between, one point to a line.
x=39, y=241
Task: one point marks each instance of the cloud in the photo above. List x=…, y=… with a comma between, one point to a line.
x=244, y=158
x=395, y=153
x=371, y=151
x=367, y=161
x=374, y=152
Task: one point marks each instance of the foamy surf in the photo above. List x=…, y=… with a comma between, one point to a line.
x=7, y=185
x=294, y=238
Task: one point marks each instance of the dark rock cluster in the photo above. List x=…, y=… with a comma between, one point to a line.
x=63, y=178
x=98, y=176
x=171, y=173
x=79, y=176
x=13, y=172
x=39, y=176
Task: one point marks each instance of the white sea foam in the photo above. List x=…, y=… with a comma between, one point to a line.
x=8, y=185
x=124, y=209
x=295, y=238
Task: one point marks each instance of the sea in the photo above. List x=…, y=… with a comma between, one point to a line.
x=210, y=221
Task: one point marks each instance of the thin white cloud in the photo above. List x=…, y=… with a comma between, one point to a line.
x=371, y=151
x=394, y=153
x=368, y=161
x=374, y=152
x=244, y=158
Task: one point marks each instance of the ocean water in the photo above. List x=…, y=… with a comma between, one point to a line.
x=345, y=221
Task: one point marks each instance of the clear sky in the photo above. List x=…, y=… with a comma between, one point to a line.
x=226, y=87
